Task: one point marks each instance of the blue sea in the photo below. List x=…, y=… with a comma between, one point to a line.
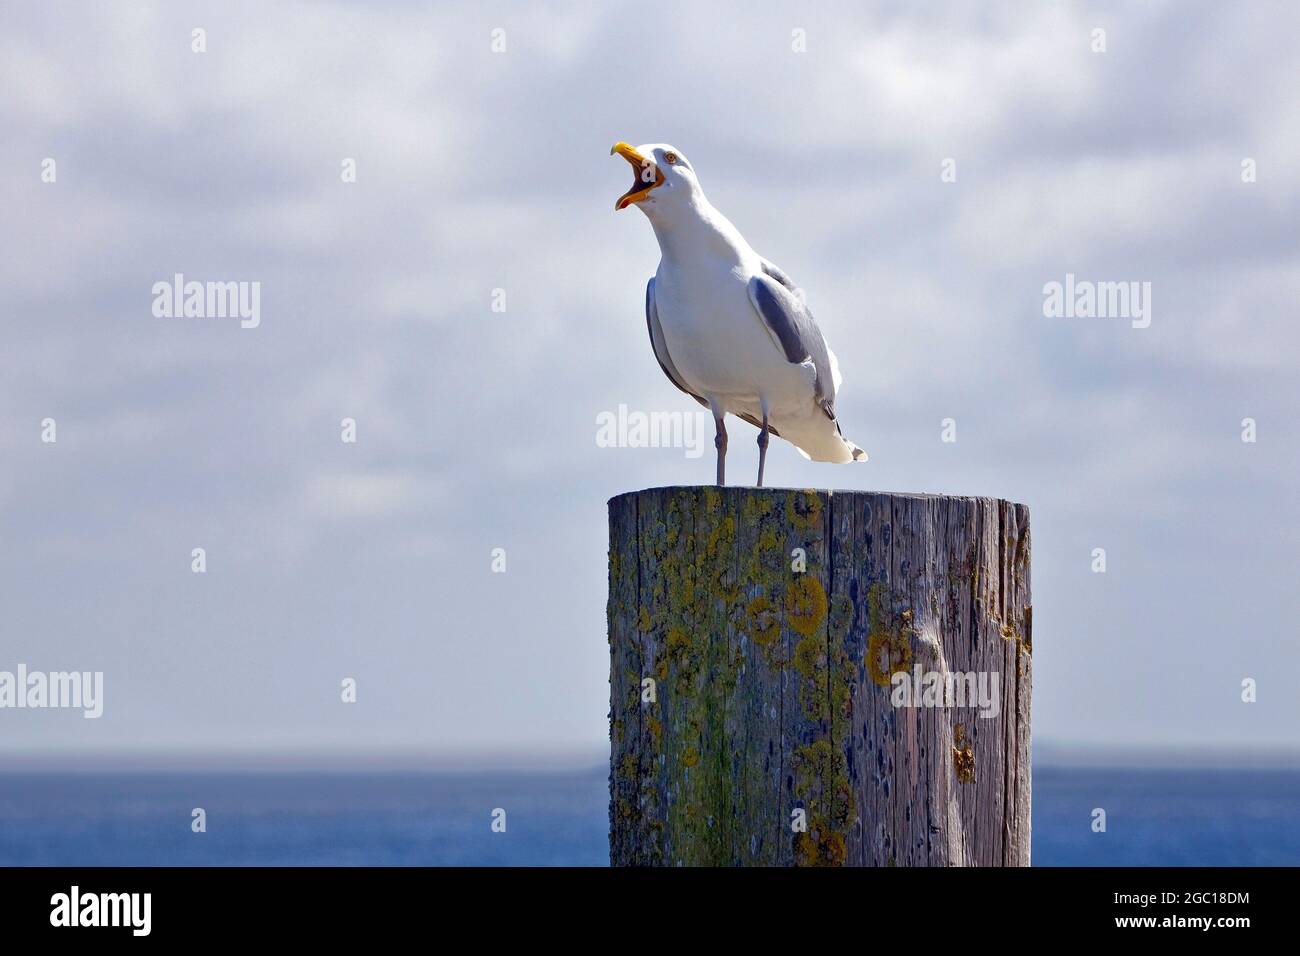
x=1153, y=817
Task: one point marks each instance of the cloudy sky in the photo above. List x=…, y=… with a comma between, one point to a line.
x=480, y=170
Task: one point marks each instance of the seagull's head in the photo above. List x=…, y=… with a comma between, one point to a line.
x=662, y=177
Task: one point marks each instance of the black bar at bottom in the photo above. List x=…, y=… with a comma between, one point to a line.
x=332, y=905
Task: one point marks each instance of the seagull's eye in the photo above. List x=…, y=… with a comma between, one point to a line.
x=670, y=158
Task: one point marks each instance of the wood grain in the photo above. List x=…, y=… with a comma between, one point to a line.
x=757, y=637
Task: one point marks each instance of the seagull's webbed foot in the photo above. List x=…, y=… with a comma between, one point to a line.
x=762, y=450
x=720, y=443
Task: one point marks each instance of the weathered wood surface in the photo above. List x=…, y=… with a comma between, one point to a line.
x=743, y=689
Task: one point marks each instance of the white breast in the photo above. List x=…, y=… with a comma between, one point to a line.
x=718, y=341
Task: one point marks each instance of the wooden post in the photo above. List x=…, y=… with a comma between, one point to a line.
x=762, y=642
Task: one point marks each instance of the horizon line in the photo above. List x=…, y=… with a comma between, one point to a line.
x=1048, y=754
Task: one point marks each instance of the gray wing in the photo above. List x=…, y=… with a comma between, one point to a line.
x=660, y=346
x=793, y=329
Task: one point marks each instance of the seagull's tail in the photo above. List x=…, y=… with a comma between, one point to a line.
x=821, y=441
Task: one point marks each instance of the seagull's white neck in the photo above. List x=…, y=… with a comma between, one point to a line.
x=691, y=229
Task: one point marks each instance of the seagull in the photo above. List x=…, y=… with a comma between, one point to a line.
x=728, y=327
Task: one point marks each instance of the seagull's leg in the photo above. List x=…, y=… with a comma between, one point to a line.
x=720, y=443
x=762, y=448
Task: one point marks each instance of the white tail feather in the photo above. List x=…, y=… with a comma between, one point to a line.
x=820, y=441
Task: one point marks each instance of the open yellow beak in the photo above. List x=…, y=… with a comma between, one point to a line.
x=647, y=175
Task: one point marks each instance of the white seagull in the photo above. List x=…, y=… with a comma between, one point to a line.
x=728, y=327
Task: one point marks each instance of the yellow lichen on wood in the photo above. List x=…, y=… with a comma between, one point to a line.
x=805, y=605
x=763, y=626
x=770, y=620
x=963, y=755
x=889, y=638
